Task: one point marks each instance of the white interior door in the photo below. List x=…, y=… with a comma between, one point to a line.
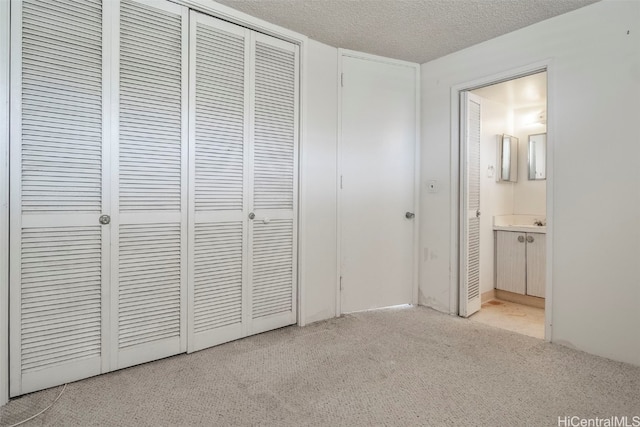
x=149, y=219
x=59, y=182
x=219, y=169
x=470, y=299
x=377, y=183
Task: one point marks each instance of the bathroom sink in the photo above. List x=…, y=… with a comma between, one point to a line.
x=522, y=228
x=520, y=223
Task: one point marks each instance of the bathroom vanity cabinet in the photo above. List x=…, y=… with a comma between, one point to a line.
x=521, y=262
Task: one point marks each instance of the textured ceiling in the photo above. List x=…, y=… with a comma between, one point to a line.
x=413, y=30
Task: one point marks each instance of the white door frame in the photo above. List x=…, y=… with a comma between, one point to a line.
x=458, y=146
x=342, y=53
x=206, y=6
x=4, y=200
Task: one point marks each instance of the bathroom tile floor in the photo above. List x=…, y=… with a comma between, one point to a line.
x=513, y=317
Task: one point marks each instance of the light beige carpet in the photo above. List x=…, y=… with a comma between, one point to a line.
x=394, y=367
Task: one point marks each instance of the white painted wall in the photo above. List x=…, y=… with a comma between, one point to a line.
x=594, y=83
x=496, y=198
x=319, y=256
x=529, y=197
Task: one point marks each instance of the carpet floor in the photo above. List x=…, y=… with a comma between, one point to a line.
x=395, y=367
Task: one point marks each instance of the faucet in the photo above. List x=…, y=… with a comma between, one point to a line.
x=540, y=223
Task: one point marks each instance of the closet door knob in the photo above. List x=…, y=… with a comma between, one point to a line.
x=252, y=215
x=104, y=219
x=521, y=239
x=530, y=239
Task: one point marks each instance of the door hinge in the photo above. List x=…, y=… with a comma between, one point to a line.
x=341, y=283
x=342, y=79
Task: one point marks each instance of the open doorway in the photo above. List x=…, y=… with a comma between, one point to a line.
x=503, y=204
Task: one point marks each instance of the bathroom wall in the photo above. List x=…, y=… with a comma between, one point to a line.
x=523, y=197
x=496, y=198
x=529, y=197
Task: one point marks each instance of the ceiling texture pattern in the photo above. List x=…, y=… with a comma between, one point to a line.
x=411, y=30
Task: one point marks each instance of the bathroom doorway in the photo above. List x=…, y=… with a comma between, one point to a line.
x=503, y=204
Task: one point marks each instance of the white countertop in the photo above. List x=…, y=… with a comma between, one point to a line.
x=519, y=223
x=522, y=228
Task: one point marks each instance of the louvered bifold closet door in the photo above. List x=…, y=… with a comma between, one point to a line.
x=150, y=203
x=58, y=247
x=274, y=166
x=472, y=260
x=218, y=181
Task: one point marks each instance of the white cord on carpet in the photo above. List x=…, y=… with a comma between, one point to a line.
x=41, y=412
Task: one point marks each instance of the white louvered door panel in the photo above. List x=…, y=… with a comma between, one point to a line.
x=150, y=205
x=471, y=277
x=58, y=248
x=274, y=166
x=219, y=72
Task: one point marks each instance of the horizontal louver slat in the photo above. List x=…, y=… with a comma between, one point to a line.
x=473, y=259
x=217, y=275
x=272, y=287
x=150, y=109
x=149, y=283
x=220, y=100
x=61, y=107
x=274, y=124
x=60, y=305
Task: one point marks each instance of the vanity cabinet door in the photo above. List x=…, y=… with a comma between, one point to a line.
x=510, y=261
x=536, y=264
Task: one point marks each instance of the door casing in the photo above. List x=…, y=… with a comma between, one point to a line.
x=458, y=146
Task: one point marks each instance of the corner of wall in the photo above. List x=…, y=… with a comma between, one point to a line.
x=319, y=203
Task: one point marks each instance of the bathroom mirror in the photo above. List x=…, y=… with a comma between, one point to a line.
x=507, y=169
x=538, y=156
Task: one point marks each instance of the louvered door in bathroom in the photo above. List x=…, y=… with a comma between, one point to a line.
x=154, y=182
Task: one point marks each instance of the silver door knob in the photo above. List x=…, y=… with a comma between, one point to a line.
x=252, y=215
x=520, y=239
x=104, y=219
x=530, y=239
x=409, y=215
